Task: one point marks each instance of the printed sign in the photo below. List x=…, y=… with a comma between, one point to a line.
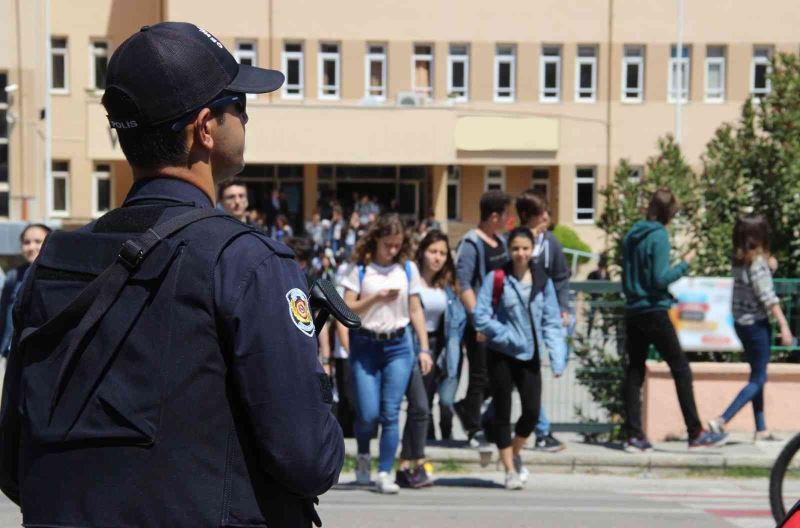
x=702, y=315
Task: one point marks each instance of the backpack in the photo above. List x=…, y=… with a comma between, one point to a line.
x=497, y=287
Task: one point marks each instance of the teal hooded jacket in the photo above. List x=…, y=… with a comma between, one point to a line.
x=646, y=270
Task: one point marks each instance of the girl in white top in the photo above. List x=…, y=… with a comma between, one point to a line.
x=383, y=289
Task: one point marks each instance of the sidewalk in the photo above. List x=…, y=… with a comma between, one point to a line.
x=739, y=452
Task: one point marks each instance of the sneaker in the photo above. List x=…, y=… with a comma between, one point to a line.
x=521, y=470
x=385, y=484
x=478, y=441
x=513, y=481
x=708, y=439
x=404, y=478
x=549, y=444
x=362, y=470
x=716, y=426
x=423, y=478
x=638, y=445
x=763, y=436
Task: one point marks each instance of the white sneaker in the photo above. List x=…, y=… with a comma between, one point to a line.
x=513, y=481
x=362, y=470
x=521, y=470
x=386, y=484
x=716, y=426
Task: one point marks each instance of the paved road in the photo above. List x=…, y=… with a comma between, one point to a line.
x=551, y=500
x=555, y=500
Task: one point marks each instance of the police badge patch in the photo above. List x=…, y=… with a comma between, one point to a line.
x=300, y=311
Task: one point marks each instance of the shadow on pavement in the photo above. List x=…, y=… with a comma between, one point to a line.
x=467, y=482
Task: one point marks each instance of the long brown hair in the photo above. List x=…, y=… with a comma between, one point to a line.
x=446, y=275
x=386, y=225
x=750, y=239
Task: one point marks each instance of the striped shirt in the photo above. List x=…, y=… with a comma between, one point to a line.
x=753, y=292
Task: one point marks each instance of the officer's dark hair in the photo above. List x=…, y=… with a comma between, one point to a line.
x=386, y=225
x=494, y=202
x=530, y=204
x=446, y=275
x=226, y=183
x=303, y=248
x=149, y=147
x=663, y=206
x=28, y=227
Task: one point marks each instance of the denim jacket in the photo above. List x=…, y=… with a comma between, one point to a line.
x=455, y=320
x=508, y=330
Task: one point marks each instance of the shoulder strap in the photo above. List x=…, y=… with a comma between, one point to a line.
x=407, y=267
x=362, y=270
x=497, y=287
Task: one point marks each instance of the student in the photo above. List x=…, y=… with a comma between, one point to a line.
x=383, y=288
x=518, y=312
x=31, y=240
x=480, y=251
x=754, y=300
x=445, y=320
x=646, y=274
x=548, y=255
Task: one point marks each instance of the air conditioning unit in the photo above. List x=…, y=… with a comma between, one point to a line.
x=411, y=99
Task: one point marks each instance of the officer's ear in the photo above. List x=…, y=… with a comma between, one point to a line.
x=203, y=124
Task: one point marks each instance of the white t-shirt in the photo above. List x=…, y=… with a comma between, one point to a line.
x=385, y=316
x=434, y=301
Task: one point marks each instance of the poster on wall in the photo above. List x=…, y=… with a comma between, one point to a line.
x=702, y=314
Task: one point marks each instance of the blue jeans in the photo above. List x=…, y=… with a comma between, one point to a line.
x=543, y=425
x=381, y=371
x=756, y=339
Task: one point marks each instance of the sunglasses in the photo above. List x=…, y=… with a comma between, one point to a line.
x=239, y=101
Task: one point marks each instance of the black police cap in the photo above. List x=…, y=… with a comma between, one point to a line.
x=168, y=70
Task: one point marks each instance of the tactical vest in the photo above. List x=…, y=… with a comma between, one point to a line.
x=136, y=425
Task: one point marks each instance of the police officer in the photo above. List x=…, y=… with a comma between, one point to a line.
x=165, y=370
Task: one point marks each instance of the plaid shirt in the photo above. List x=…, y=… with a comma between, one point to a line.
x=753, y=292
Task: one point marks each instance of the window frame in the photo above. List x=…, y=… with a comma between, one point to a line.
x=98, y=175
x=64, y=52
x=428, y=91
x=586, y=61
x=299, y=56
x=454, y=180
x=251, y=54
x=486, y=178
x=336, y=58
x=708, y=96
x=369, y=58
x=686, y=78
x=755, y=62
x=544, y=60
x=510, y=59
x=94, y=54
x=633, y=60
x=452, y=58
x=65, y=175
x=583, y=180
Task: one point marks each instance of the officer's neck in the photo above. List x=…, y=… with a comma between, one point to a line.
x=199, y=178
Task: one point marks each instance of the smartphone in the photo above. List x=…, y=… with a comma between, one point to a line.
x=394, y=291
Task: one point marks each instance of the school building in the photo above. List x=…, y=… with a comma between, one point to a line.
x=430, y=102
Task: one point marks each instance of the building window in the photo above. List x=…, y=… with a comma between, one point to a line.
x=682, y=64
x=292, y=63
x=584, y=195
x=494, y=179
x=329, y=71
x=633, y=74
x=246, y=52
x=60, y=177
x=375, y=68
x=550, y=75
x=635, y=173
x=715, y=74
x=458, y=73
x=98, y=64
x=101, y=192
x=4, y=188
x=586, y=74
x=760, y=85
x=422, y=69
x=453, y=192
x=540, y=182
x=504, y=73
x=59, y=65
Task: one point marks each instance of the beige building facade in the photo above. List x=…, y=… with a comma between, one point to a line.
x=427, y=103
